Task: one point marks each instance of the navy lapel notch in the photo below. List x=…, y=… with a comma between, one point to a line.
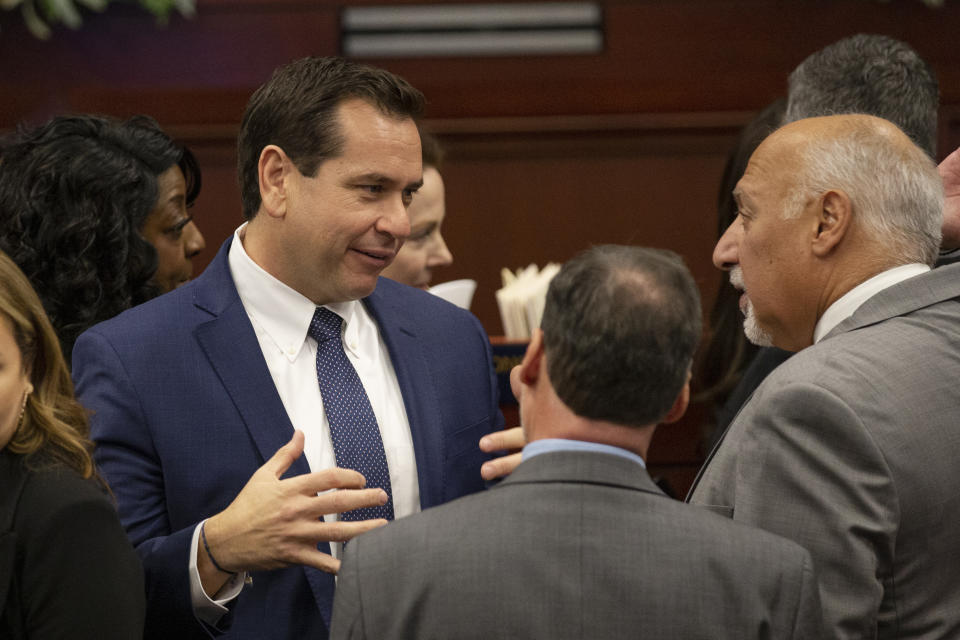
x=214, y=290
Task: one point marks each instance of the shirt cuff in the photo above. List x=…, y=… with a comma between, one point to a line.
x=209, y=610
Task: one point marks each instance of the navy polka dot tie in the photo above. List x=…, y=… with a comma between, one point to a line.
x=353, y=425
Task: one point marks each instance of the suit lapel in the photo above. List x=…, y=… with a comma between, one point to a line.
x=942, y=283
x=231, y=345
x=904, y=297
x=716, y=446
x=713, y=452
x=419, y=398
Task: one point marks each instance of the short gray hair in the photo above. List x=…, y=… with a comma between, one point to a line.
x=895, y=189
x=870, y=74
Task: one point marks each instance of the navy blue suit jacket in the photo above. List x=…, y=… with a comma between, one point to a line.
x=185, y=411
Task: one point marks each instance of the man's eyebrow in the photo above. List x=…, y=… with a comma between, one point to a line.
x=737, y=193
x=379, y=178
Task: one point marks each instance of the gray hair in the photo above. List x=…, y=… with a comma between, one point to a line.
x=870, y=74
x=895, y=189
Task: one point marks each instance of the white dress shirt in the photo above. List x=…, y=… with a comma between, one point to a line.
x=845, y=306
x=281, y=317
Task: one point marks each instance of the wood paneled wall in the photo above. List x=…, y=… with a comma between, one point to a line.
x=546, y=155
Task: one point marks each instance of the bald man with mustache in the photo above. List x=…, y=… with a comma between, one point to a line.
x=850, y=447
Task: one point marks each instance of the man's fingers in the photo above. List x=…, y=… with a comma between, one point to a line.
x=500, y=467
x=319, y=560
x=346, y=500
x=318, y=481
x=506, y=440
x=285, y=456
x=341, y=531
x=331, y=532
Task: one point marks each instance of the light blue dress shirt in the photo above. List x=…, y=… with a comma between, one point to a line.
x=548, y=445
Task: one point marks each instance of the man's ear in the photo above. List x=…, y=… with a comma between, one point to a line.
x=530, y=366
x=833, y=222
x=679, y=405
x=272, y=170
x=527, y=372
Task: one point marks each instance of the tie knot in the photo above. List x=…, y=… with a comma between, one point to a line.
x=325, y=325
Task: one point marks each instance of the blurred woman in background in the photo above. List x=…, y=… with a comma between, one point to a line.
x=67, y=569
x=95, y=213
x=425, y=249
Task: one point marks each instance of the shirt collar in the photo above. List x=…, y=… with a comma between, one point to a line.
x=848, y=303
x=548, y=445
x=283, y=313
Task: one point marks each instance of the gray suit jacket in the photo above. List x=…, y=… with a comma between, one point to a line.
x=852, y=448
x=574, y=545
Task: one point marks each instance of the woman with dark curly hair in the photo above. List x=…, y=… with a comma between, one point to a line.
x=67, y=569
x=94, y=211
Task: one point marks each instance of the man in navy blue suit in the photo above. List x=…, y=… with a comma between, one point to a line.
x=210, y=424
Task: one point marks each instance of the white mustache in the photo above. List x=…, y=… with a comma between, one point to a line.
x=736, y=278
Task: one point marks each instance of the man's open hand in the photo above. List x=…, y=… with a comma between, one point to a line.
x=275, y=523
